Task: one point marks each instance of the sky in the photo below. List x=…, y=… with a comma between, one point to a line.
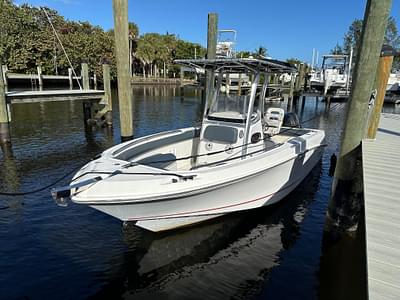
x=288, y=29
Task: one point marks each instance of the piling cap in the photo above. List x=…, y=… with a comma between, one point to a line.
x=388, y=50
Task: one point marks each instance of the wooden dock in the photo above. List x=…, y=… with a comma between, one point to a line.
x=53, y=95
x=381, y=171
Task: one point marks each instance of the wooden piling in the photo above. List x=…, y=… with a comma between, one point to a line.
x=5, y=137
x=240, y=82
x=345, y=203
x=95, y=81
x=120, y=9
x=107, y=94
x=211, y=50
x=291, y=92
x=382, y=77
x=299, y=78
x=85, y=76
x=4, y=70
x=40, y=77
x=87, y=112
x=70, y=79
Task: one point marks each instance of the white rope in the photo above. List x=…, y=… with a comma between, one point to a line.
x=62, y=47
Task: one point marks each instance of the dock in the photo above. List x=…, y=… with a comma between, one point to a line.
x=97, y=104
x=53, y=95
x=381, y=171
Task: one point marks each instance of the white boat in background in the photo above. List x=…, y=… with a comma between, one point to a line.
x=393, y=84
x=242, y=157
x=333, y=75
x=393, y=88
x=226, y=43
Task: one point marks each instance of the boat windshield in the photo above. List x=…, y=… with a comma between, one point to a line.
x=338, y=63
x=228, y=105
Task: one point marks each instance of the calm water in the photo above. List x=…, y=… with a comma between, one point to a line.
x=49, y=252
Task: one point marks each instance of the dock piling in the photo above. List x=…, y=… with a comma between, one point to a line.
x=70, y=79
x=182, y=88
x=40, y=77
x=107, y=93
x=382, y=76
x=85, y=76
x=345, y=202
x=120, y=9
x=4, y=70
x=211, y=50
x=87, y=112
x=291, y=92
x=5, y=137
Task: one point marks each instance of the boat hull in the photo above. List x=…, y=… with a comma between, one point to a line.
x=263, y=188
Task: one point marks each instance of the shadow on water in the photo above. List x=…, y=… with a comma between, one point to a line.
x=229, y=257
x=343, y=267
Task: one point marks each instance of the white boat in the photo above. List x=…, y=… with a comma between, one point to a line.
x=226, y=42
x=393, y=85
x=240, y=158
x=333, y=75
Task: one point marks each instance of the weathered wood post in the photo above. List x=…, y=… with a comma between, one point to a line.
x=211, y=51
x=87, y=112
x=107, y=93
x=87, y=105
x=382, y=76
x=299, y=83
x=4, y=70
x=85, y=76
x=120, y=9
x=240, y=82
x=70, y=79
x=300, y=78
x=345, y=203
x=182, y=88
x=40, y=77
x=95, y=81
x=291, y=92
x=5, y=137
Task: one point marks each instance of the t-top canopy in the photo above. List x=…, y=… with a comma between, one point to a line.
x=240, y=65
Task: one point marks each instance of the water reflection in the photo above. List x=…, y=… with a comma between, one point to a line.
x=228, y=257
x=55, y=253
x=10, y=181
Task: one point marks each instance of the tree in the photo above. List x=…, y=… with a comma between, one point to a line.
x=294, y=61
x=27, y=40
x=261, y=51
x=243, y=54
x=337, y=50
x=353, y=35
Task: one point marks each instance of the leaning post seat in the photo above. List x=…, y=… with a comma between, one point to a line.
x=273, y=121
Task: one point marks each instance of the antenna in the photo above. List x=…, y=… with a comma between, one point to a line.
x=62, y=47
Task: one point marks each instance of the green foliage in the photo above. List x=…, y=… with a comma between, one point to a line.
x=353, y=36
x=294, y=61
x=337, y=50
x=243, y=54
x=261, y=51
x=27, y=40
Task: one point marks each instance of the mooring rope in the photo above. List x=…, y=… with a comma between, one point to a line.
x=11, y=194
x=42, y=188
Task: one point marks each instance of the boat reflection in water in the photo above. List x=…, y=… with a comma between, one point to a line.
x=228, y=257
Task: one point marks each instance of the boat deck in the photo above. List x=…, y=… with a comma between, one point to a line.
x=381, y=170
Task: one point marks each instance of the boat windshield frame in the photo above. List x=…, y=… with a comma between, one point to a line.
x=335, y=61
x=249, y=66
